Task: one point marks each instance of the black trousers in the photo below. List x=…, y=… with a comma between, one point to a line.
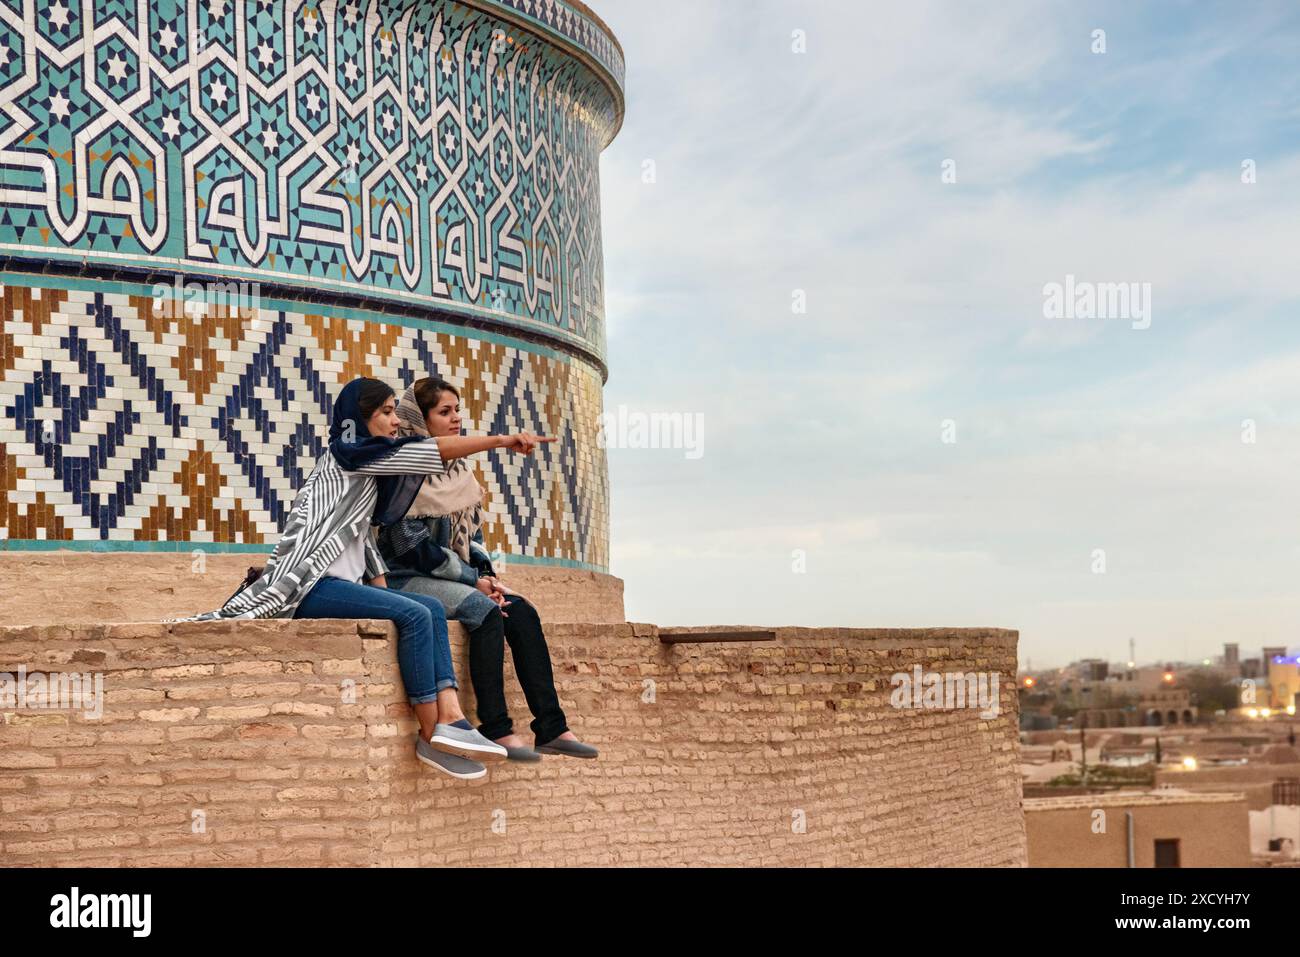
x=522, y=629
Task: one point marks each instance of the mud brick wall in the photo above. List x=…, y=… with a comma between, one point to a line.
x=777, y=753
x=1255, y=781
x=1212, y=830
x=66, y=587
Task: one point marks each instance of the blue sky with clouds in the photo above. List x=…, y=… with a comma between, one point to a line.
x=821, y=171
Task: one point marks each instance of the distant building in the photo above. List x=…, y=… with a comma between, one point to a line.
x=1254, y=780
x=1154, y=677
x=1169, y=829
x=1145, y=697
x=1275, y=830
x=1283, y=682
x=1231, y=655
x=1101, y=718
x=1167, y=706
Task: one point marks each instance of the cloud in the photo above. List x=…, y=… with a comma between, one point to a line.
x=820, y=172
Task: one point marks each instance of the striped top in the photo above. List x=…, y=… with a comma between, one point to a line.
x=332, y=509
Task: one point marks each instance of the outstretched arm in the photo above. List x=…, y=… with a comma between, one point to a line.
x=426, y=457
x=459, y=446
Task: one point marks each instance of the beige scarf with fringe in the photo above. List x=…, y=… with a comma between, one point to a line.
x=455, y=493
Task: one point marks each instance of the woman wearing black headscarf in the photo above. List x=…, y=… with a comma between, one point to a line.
x=326, y=550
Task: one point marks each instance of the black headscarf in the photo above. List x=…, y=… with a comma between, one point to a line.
x=353, y=446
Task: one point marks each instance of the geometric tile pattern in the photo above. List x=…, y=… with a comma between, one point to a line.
x=414, y=151
x=130, y=417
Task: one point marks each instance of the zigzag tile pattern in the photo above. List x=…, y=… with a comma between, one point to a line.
x=131, y=417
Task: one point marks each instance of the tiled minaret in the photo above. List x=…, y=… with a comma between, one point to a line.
x=217, y=212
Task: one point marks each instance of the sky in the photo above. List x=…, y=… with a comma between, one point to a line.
x=925, y=444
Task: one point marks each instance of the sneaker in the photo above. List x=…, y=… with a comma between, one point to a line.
x=467, y=743
x=452, y=764
x=571, y=749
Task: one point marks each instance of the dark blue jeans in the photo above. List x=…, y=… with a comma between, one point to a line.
x=423, y=652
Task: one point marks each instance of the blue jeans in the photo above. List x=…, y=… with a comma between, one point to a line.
x=423, y=652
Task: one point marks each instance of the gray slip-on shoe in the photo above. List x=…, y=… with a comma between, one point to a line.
x=452, y=764
x=525, y=754
x=467, y=743
x=570, y=749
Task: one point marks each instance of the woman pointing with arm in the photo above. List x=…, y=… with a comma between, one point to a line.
x=370, y=475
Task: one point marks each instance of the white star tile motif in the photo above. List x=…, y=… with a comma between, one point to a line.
x=171, y=126
x=59, y=106
x=116, y=67
x=58, y=15
x=167, y=39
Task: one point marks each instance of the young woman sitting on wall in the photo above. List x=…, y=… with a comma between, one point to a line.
x=370, y=475
x=436, y=550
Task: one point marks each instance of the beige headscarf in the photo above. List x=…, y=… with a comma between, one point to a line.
x=455, y=493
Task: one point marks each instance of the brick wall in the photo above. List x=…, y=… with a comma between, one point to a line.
x=1212, y=830
x=711, y=754
x=1253, y=780
x=64, y=586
